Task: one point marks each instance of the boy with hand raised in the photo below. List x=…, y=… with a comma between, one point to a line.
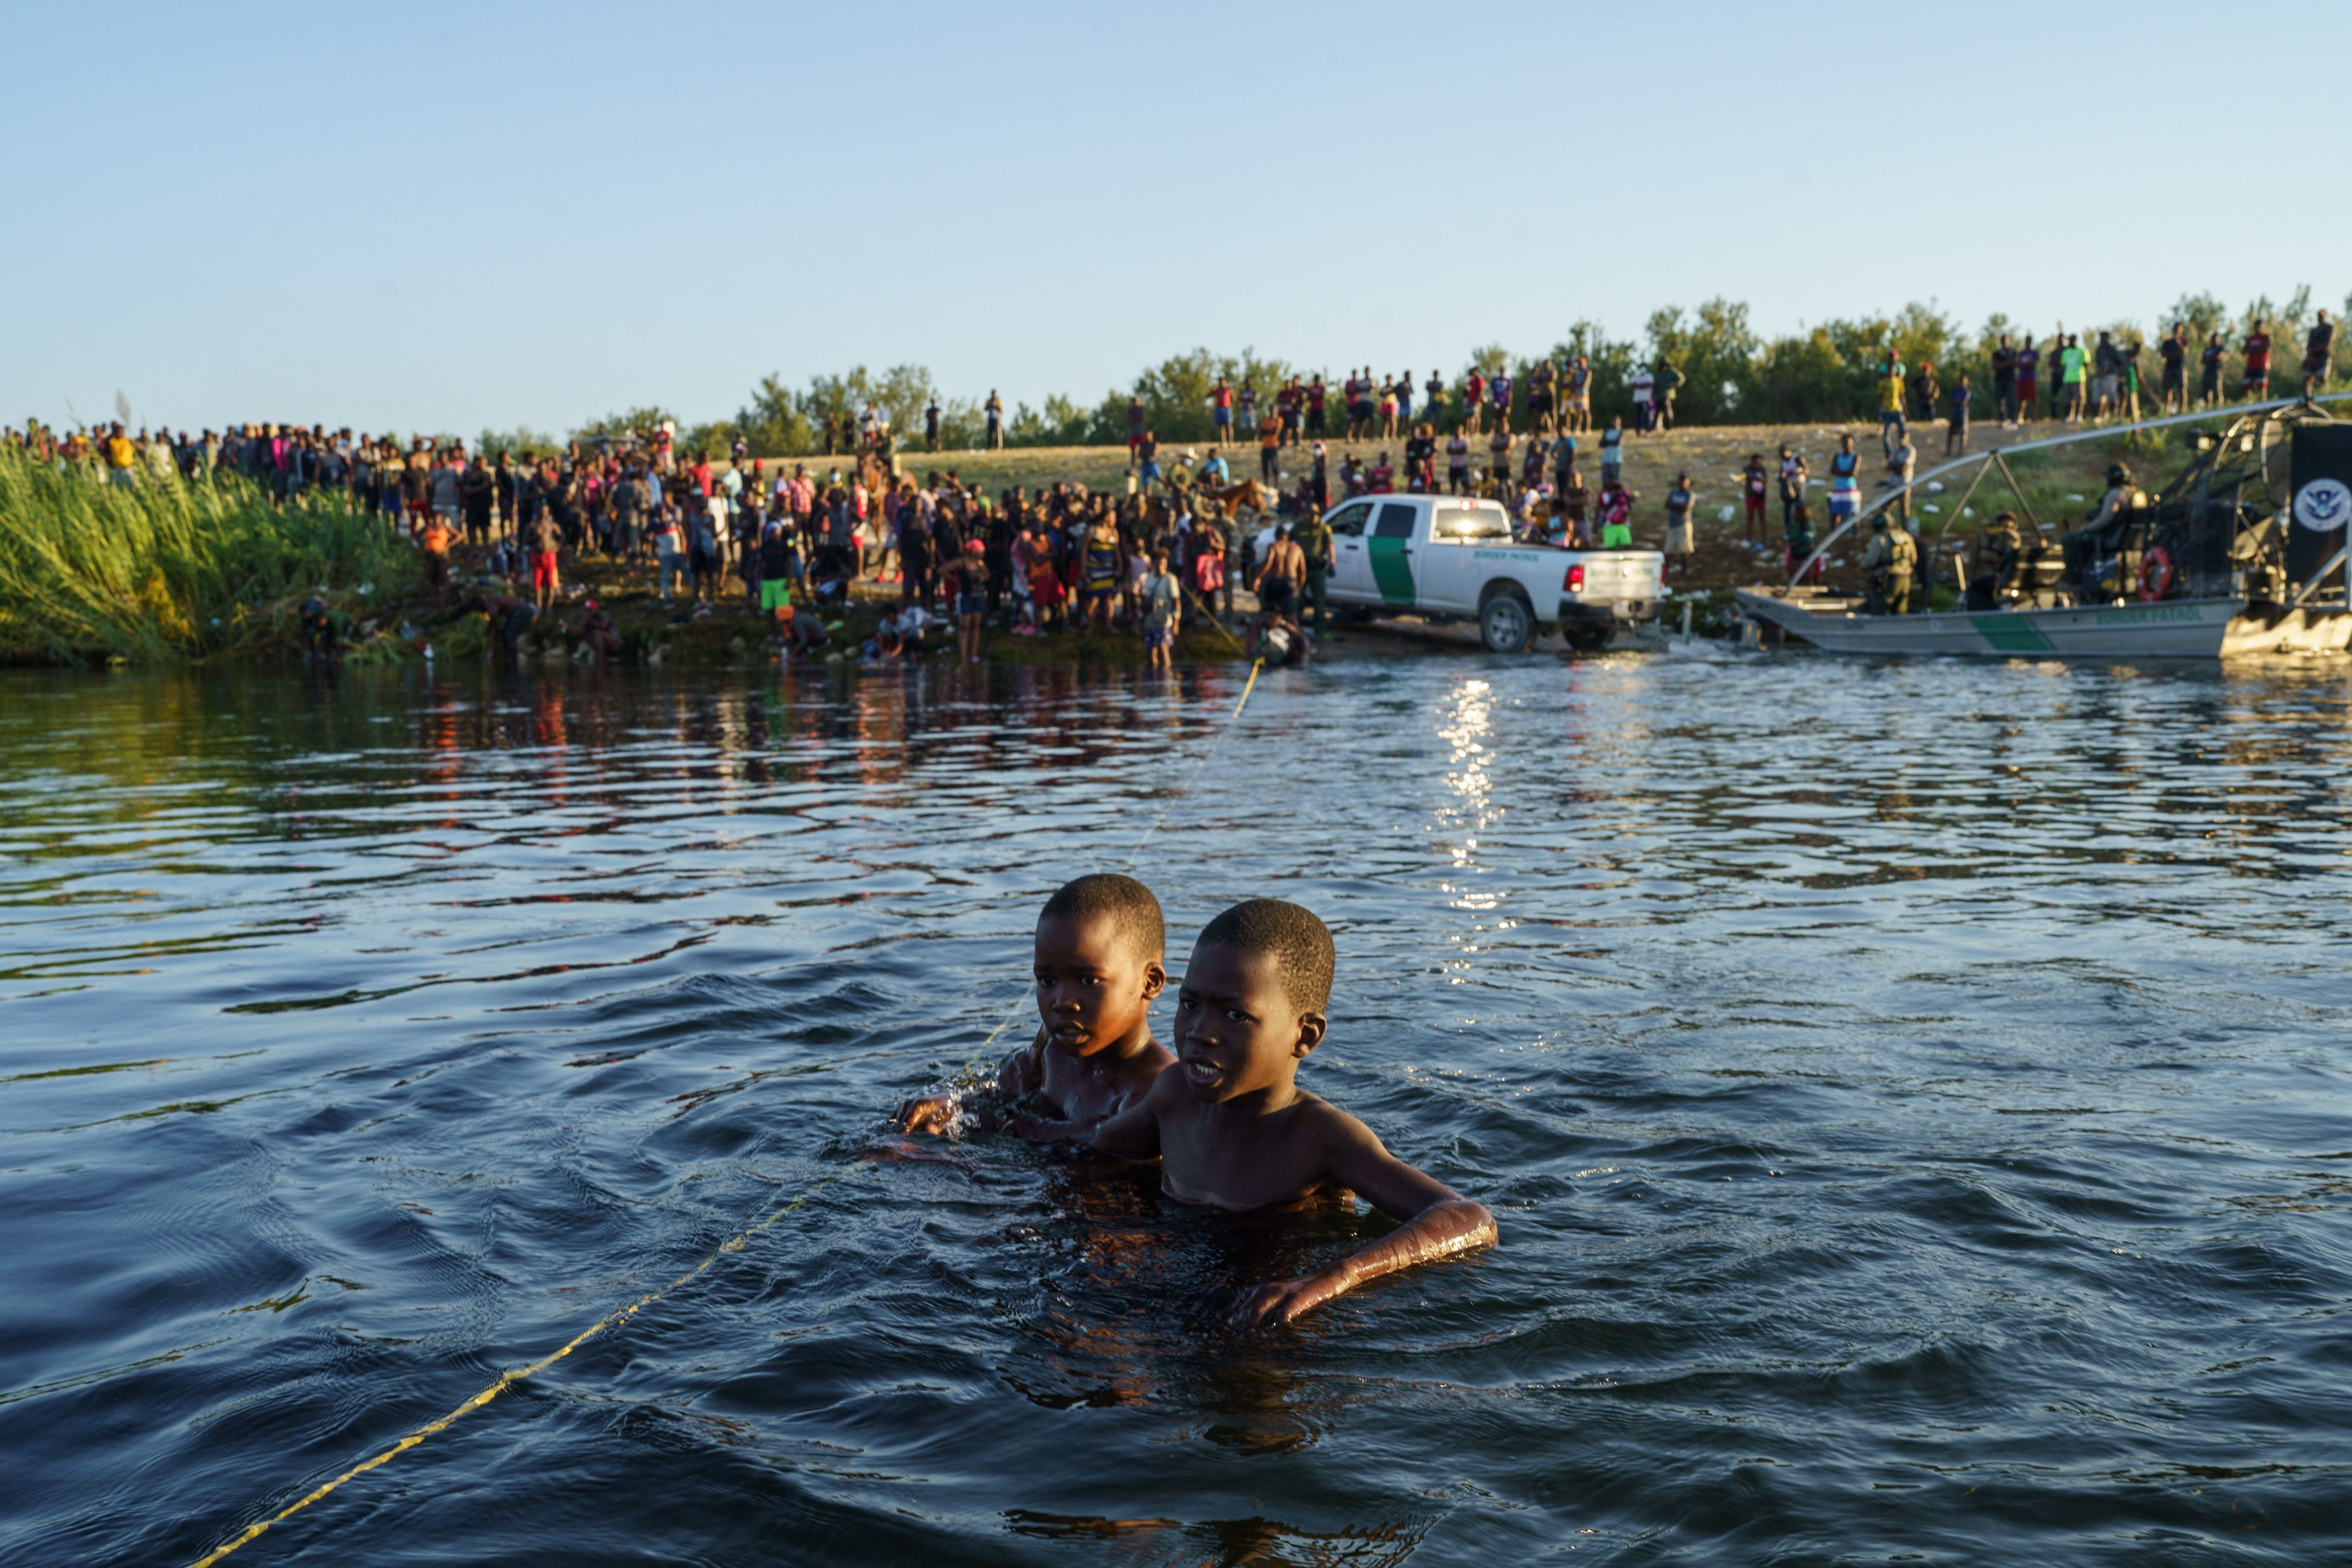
x=1231, y=1129
x=1100, y=949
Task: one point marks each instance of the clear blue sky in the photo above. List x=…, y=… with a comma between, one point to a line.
x=457, y=217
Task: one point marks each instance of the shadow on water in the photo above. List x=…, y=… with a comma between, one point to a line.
x=1912, y=1096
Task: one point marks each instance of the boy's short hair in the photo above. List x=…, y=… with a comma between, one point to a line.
x=1295, y=939
x=1122, y=899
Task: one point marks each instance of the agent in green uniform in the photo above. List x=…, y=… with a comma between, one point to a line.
x=1313, y=535
x=1892, y=556
x=2003, y=550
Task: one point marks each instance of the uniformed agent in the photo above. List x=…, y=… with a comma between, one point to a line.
x=1890, y=561
x=2102, y=531
x=2001, y=551
x=1313, y=535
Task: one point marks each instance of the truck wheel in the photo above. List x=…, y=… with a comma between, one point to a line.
x=1588, y=637
x=1507, y=624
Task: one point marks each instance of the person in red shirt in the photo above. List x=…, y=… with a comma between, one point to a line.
x=1473, y=400
x=2258, y=363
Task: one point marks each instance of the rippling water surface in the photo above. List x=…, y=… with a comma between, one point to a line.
x=1914, y=1099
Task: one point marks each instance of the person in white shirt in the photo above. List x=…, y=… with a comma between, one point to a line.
x=1902, y=463
x=721, y=509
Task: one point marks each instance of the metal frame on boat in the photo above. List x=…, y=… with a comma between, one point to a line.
x=2227, y=587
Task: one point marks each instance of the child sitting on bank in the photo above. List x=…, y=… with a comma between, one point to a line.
x=1231, y=1129
x=1101, y=947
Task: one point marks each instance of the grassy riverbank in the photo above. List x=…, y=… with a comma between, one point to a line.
x=164, y=572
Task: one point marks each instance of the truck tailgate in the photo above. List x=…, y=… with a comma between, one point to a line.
x=1621, y=574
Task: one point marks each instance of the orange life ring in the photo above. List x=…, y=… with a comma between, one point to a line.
x=2155, y=575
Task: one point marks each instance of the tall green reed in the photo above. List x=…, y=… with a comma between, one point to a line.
x=168, y=571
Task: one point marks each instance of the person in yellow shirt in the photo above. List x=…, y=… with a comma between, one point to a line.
x=121, y=455
x=1890, y=400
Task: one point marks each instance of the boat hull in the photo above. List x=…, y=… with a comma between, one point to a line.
x=2169, y=628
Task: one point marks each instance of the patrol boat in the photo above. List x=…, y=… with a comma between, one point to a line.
x=2232, y=557
x=2174, y=629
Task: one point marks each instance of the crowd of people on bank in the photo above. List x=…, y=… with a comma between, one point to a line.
x=785, y=535
x=1172, y=545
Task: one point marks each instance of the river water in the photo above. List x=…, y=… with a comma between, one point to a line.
x=1913, y=1097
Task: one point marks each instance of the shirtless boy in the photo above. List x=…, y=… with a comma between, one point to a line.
x=1231, y=1130
x=1100, y=948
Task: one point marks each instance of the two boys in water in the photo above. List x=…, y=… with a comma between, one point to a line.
x=1222, y=1114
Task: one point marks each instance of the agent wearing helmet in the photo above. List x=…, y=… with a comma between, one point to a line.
x=2103, y=533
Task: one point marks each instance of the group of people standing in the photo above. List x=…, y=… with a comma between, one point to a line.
x=2068, y=382
x=1365, y=405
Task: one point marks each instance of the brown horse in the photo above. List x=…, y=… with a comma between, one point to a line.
x=1249, y=495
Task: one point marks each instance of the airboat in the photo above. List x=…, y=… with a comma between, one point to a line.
x=2232, y=557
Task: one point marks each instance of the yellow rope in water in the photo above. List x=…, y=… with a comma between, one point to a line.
x=507, y=1379
x=620, y=1315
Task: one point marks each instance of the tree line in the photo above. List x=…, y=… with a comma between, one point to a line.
x=1732, y=374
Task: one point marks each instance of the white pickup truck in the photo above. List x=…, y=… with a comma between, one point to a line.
x=1443, y=556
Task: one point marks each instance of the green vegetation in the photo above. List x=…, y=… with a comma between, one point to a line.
x=1732, y=374
x=164, y=571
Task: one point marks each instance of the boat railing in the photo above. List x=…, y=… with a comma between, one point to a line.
x=1890, y=493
